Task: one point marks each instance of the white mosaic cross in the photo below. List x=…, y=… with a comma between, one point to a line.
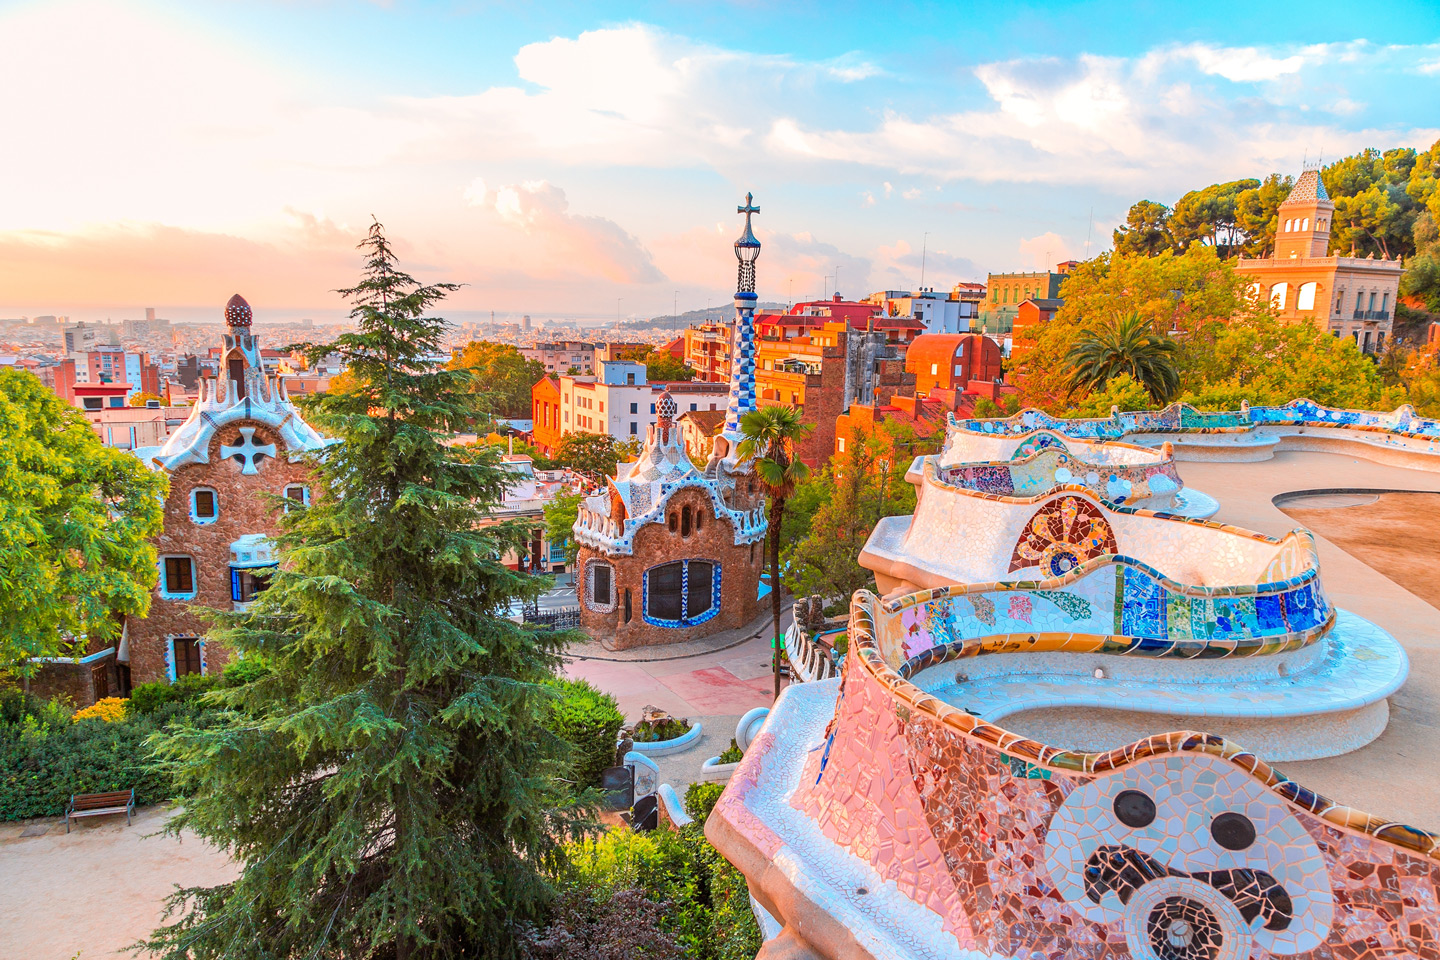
x=248, y=453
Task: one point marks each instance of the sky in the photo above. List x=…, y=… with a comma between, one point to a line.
x=585, y=159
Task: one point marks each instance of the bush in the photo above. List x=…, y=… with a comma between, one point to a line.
x=622, y=925
x=147, y=698
x=667, y=728
x=243, y=671
x=17, y=706
x=701, y=798
x=709, y=904
x=110, y=710
x=589, y=721
x=42, y=764
x=732, y=753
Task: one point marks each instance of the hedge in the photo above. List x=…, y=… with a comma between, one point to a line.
x=42, y=764
x=589, y=721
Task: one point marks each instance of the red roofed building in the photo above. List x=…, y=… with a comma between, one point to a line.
x=811, y=315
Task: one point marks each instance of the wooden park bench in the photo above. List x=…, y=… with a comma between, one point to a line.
x=100, y=804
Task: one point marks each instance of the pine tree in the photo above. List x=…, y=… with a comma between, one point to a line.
x=387, y=788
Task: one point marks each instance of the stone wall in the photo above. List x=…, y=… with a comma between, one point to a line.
x=244, y=509
x=655, y=544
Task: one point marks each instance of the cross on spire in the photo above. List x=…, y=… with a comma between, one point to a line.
x=749, y=208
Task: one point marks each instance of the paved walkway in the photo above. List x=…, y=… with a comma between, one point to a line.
x=97, y=890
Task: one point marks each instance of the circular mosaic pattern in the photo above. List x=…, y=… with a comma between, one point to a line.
x=1060, y=559
x=1177, y=918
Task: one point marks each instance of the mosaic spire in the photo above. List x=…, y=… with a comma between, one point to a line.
x=742, y=338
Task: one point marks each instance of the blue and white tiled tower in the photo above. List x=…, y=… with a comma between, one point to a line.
x=742, y=345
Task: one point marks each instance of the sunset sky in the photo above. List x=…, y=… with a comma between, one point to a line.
x=585, y=160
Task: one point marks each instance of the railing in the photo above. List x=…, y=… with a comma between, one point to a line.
x=564, y=618
x=1371, y=315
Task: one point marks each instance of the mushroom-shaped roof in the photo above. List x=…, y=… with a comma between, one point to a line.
x=666, y=407
x=237, y=312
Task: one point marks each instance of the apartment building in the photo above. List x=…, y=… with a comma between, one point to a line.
x=620, y=400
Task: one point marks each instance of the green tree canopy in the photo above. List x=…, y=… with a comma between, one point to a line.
x=1146, y=230
x=76, y=522
x=389, y=788
x=594, y=456
x=1209, y=216
x=663, y=366
x=1257, y=214
x=502, y=376
x=560, y=516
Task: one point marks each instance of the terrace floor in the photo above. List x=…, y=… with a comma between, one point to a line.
x=1378, y=561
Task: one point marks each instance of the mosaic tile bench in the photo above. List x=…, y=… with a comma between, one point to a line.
x=1250, y=433
x=874, y=819
x=1033, y=462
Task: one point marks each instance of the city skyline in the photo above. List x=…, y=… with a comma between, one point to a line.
x=581, y=162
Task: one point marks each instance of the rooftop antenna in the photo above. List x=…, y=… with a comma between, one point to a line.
x=924, y=248
x=1088, y=231
x=837, y=281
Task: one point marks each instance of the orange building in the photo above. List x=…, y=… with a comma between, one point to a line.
x=1031, y=313
x=1349, y=296
x=949, y=361
x=545, y=412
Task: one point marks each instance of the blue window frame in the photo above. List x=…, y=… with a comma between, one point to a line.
x=681, y=593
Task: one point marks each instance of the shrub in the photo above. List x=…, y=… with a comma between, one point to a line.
x=149, y=697
x=243, y=671
x=588, y=720
x=701, y=798
x=109, y=710
x=622, y=925
x=17, y=706
x=666, y=728
x=708, y=903
x=42, y=764
x=732, y=753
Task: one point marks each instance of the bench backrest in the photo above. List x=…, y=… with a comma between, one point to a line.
x=86, y=801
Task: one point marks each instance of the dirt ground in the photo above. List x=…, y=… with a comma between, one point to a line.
x=1395, y=535
x=99, y=889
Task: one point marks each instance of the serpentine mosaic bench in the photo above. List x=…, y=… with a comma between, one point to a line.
x=873, y=818
x=1033, y=462
x=1251, y=433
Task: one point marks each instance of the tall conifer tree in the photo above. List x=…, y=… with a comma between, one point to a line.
x=387, y=788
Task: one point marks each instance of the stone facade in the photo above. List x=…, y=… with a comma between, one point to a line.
x=666, y=553
x=712, y=540
x=240, y=448
x=243, y=508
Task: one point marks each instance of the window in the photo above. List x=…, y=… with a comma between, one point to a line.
x=634, y=428
x=247, y=583
x=179, y=577
x=599, y=586
x=185, y=654
x=602, y=406
x=627, y=605
x=840, y=444
x=693, y=406
x=674, y=521
x=681, y=593
x=652, y=409
x=685, y=521
x=630, y=379
x=1306, y=300
x=1277, y=295
x=1305, y=224
x=94, y=403
x=634, y=408
x=1385, y=301
x=934, y=369
x=204, y=505
x=1372, y=300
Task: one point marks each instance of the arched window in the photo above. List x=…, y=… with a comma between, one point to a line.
x=674, y=521
x=1278, y=294
x=627, y=605
x=1304, y=224
x=698, y=519
x=1287, y=226
x=685, y=521
x=681, y=593
x=599, y=586
x=1306, y=298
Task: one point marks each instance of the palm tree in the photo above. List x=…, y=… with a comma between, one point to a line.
x=769, y=435
x=1125, y=343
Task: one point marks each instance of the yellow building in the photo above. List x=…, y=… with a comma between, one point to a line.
x=1349, y=296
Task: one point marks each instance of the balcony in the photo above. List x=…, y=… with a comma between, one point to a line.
x=1371, y=315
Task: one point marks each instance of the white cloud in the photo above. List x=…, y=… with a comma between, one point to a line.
x=476, y=192
x=1240, y=64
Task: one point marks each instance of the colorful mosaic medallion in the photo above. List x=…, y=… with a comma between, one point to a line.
x=1063, y=534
